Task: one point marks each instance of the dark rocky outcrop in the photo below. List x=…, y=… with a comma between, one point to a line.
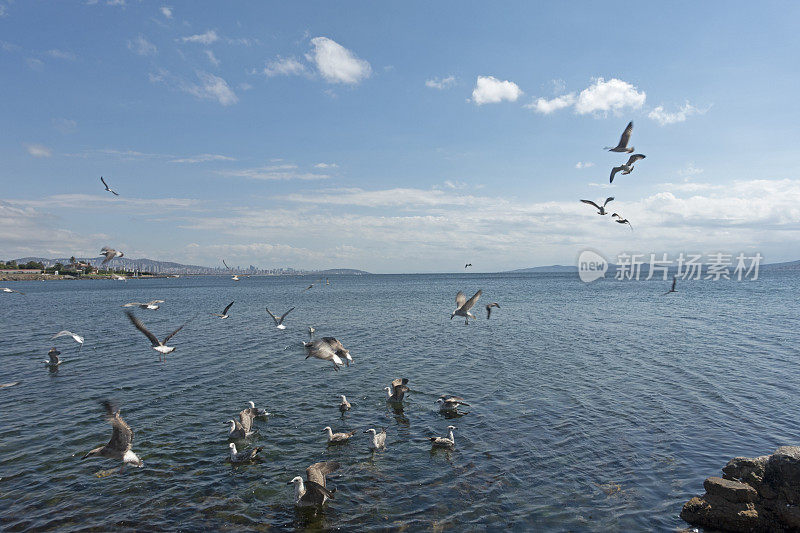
x=754, y=494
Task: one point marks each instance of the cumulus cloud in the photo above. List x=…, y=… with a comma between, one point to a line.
x=38, y=150
x=441, y=83
x=211, y=87
x=612, y=95
x=663, y=117
x=24, y=231
x=336, y=63
x=490, y=90
x=142, y=46
x=284, y=66
x=544, y=106
x=208, y=37
x=166, y=11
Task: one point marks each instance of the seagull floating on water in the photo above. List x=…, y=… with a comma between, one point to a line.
x=224, y=313
x=463, y=306
x=311, y=331
x=65, y=333
x=152, y=304
x=444, y=442
x=450, y=404
x=622, y=146
x=397, y=391
x=313, y=492
x=159, y=346
x=627, y=168
x=53, y=355
x=337, y=438
x=618, y=219
x=377, y=440
x=674, y=282
x=279, y=321
x=601, y=209
x=6, y=289
x=115, y=193
x=243, y=457
x=241, y=428
x=344, y=405
x=109, y=254
x=489, y=309
x=257, y=413
x=119, y=447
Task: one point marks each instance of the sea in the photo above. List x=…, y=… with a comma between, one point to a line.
x=592, y=406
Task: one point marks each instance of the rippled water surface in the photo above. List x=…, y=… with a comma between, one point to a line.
x=594, y=407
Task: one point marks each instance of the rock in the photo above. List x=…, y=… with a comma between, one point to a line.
x=754, y=494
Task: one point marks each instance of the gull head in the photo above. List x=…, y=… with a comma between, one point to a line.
x=252, y=405
x=232, y=446
x=296, y=479
x=370, y=431
x=327, y=428
x=343, y=398
x=451, y=428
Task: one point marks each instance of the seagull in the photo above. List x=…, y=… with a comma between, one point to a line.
x=674, y=282
x=115, y=193
x=310, y=286
x=621, y=220
x=279, y=321
x=337, y=438
x=54, y=360
x=311, y=331
x=397, y=391
x=377, y=440
x=152, y=304
x=65, y=333
x=11, y=384
x=313, y=493
x=601, y=210
x=450, y=403
x=255, y=413
x=463, y=306
x=159, y=346
x=241, y=428
x=224, y=313
x=119, y=447
x=6, y=289
x=243, y=457
x=344, y=405
x=322, y=349
x=627, y=168
x=467, y=265
x=235, y=276
x=444, y=442
x=339, y=349
x=489, y=309
x=623, y=141
x=109, y=253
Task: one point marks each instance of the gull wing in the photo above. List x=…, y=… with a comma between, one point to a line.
x=674, y=281
x=168, y=337
x=460, y=299
x=104, y=182
x=122, y=436
x=133, y=304
x=626, y=136
x=65, y=333
x=286, y=313
x=316, y=473
x=138, y=324
x=225, y=311
x=273, y=317
x=154, y=302
x=469, y=303
x=246, y=418
x=609, y=199
x=634, y=158
x=614, y=173
x=591, y=203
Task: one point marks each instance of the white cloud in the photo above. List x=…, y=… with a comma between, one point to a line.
x=3, y=11
x=203, y=38
x=443, y=83
x=35, y=64
x=166, y=11
x=61, y=54
x=211, y=87
x=664, y=118
x=284, y=66
x=584, y=164
x=212, y=58
x=273, y=172
x=326, y=165
x=38, y=150
x=202, y=158
x=490, y=90
x=544, y=106
x=25, y=231
x=612, y=95
x=100, y=202
x=65, y=125
x=142, y=46
x=336, y=63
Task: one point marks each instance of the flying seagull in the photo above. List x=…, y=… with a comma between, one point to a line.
x=674, y=282
x=115, y=193
x=119, y=447
x=54, y=360
x=224, y=313
x=109, y=254
x=377, y=440
x=6, y=289
x=328, y=349
x=601, y=210
x=313, y=493
x=444, y=442
x=279, y=321
x=241, y=428
x=235, y=276
x=344, y=405
x=621, y=220
x=450, y=403
x=623, y=141
x=243, y=457
x=337, y=438
x=467, y=265
x=397, y=391
x=489, y=309
x=463, y=306
x=65, y=333
x=627, y=168
x=159, y=346
x=152, y=304
x=310, y=286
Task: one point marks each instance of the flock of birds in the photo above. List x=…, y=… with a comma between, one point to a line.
x=625, y=168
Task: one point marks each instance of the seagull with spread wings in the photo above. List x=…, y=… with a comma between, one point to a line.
x=152, y=304
x=119, y=447
x=279, y=320
x=489, y=309
x=6, y=289
x=674, y=282
x=601, y=209
x=627, y=168
x=159, y=346
x=312, y=492
x=622, y=146
x=109, y=254
x=463, y=306
x=64, y=333
x=115, y=193
x=224, y=313
x=618, y=219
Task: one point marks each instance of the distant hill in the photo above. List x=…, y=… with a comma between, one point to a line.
x=551, y=268
x=342, y=272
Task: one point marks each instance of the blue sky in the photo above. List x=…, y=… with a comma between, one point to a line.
x=396, y=137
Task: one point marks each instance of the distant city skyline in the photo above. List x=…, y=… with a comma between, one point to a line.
x=409, y=137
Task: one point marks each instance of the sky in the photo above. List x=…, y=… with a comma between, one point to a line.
x=396, y=137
